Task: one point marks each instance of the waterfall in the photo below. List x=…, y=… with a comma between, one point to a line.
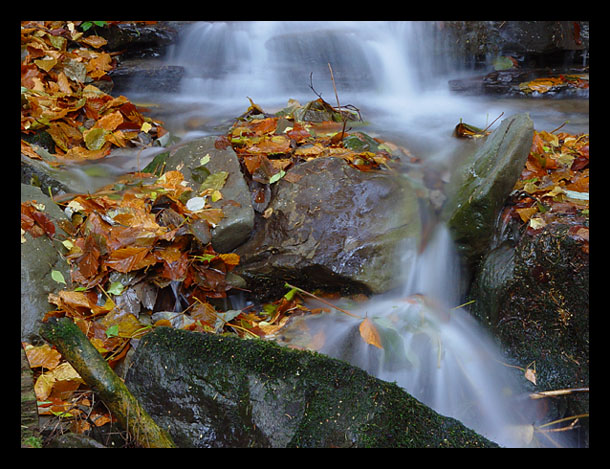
x=433, y=349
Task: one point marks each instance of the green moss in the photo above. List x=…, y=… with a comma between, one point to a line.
x=330, y=403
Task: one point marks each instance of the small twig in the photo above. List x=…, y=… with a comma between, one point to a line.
x=287, y=285
x=555, y=130
x=311, y=86
x=492, y=122
x=556, y=392
x=332, y=77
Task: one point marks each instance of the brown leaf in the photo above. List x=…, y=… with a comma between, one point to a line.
x=94, y=41
x=42, y=356
x=369, y=333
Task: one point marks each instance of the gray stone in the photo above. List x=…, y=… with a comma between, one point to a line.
x=333, y=227
x=40, y=256
x=482, y=182
x=236, y=203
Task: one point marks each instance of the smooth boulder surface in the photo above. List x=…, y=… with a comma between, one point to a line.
x=39, y=257
x=236, y=203
x=333, y=226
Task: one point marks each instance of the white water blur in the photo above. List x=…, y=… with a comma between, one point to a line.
x=436, y=352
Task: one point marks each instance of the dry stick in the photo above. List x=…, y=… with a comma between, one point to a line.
x=322, y=300
x=492, y=122
x=332, y=77
x=97, y=374
x=556, y=392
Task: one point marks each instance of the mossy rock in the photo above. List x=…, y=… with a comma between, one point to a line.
x=214, y=391
x=480, y=186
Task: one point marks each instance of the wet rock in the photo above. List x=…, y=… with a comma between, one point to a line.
x=532, y=43
x=236, y=205
x=535, y=298
x=135, y=73
x=507, y=83
x=332, y=226
x=212, y=391
x=140, y=39
x=40, y=256
x=481, y=184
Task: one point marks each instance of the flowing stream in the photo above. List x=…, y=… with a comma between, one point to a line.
x=396, y=73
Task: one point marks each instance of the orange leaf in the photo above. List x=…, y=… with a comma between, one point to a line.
x=27, y=150
x=42, y=356
x=230, y=259
x=129, y=258
x=110, y=121
x=369, y=333
x=94, y=41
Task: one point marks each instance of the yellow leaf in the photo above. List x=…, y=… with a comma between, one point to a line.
x=44, y=386
x=536, y=223
x=369, y=333
x=526, y=213
x=145, y=127
x=65, y=372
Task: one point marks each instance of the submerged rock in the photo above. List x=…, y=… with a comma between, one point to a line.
x=212, y=391
x=332, y=226
x=480, y=186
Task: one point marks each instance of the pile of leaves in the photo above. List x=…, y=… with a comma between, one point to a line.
x=268, y=145
x=60, y=65
x=554, y=185
x=133, y=237
x=552, y=84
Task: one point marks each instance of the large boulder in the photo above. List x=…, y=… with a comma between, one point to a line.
x=39, y=257
x=190, y=158
x=213, y=391
x=480, y=185
x=332, y=226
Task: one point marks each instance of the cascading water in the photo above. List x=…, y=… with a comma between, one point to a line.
x=437, y=352
x=392, y=70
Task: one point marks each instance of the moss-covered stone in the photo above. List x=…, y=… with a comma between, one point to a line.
x=482, y=183
x=212, y=391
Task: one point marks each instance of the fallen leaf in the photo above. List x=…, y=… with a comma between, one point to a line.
x=369, y=333
x=530, y=375
x=42, y=356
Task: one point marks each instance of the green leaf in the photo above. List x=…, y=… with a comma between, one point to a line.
x=112, y=331
x=58, y=277
x=206, y=257
x=290, y=294
x=200, y=174
x=277, y=176
x=116, y=288
x=503, y=63
x=95, y=139
x=215, y=181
